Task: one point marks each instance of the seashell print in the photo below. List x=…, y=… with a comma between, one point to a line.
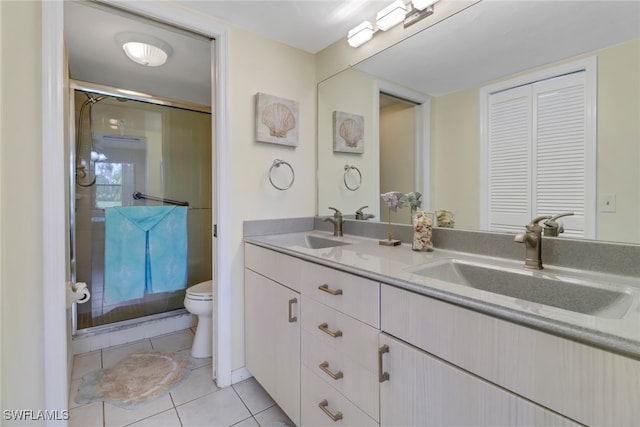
x=351, y=132
x=279, y=119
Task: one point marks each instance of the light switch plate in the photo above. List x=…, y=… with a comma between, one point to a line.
x=608, y=202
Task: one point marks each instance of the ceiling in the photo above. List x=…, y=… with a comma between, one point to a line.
x=494, y=39
x=456, y=53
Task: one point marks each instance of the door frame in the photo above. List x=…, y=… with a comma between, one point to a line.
x=422, y=143
x=54, y=194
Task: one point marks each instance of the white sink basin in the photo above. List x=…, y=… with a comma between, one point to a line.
x=309, y=241
x=565, y=292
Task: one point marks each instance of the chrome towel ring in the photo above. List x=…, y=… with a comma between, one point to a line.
x=276, y=164
x=347, y=169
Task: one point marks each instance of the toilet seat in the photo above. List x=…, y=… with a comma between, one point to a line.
x=201, y=292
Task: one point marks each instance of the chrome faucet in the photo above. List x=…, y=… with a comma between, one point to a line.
x=552, y=228
x=363, y=216
x=337, y=221
x=532, y=238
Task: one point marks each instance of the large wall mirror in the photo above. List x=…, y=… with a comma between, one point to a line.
x=417, y=107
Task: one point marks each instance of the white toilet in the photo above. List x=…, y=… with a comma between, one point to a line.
x=199, y=301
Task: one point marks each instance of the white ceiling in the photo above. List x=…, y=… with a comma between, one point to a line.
x=484, y=42
x=493, y=39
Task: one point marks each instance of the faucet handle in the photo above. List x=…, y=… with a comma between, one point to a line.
x=534, y=226
x=337, y=212
x=552, y=227
x=553, y=218
x=360, y=210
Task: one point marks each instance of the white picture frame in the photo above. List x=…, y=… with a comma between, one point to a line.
x=348, y=132
x=277, y=120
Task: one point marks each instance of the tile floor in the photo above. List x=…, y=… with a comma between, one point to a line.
x=197, y=402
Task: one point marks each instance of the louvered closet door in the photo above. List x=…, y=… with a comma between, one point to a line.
x=539, y=156
x=509, y=157
x=560, y=150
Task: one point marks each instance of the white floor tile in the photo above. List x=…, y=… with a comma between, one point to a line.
x=85, y=363
x=73, y=391
x=116, y=417
x=194, y=362
x=86, y=416
x=222, y=408
x=253, y=395
x=164, y=419
x=273, y=415
x=198, y=384
x=249, y=422
x=175, y=341
x=112, y=355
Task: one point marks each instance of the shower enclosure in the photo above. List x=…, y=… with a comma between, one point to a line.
x=136, y=150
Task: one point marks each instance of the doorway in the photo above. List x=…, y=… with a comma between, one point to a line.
x=403, y=146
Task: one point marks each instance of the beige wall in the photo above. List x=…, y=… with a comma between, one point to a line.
x=455, y=150
x=455, y=140
x=351, y=92
x=257, y=64
x=397, y=157
x=21, y=275
x=619, y=140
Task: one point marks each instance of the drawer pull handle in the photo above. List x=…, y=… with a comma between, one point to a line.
x=335, y=417
x=325, y=368
x=292, y=319
x=382, y=376
x=324, y=327
x=325, y=288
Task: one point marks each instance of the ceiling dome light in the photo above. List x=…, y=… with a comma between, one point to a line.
x=145, y=54
x=144, y=49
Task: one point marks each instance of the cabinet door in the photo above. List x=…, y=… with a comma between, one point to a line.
x=422, y=390
x=273, y=340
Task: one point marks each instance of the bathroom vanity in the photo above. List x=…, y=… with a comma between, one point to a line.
x=343, y=331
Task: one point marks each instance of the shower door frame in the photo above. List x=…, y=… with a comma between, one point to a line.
x=100, y=89
x=54, y=82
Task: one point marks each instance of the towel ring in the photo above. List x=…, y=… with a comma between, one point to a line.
x=276, y=164
x=348, y=168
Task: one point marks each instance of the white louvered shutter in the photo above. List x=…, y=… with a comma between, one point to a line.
x=559, y=150
x=509, y=157
x=538, y=155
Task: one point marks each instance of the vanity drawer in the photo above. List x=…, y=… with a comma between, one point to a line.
x=356, y=296
x=281, y=268
x=344, y=374
x=338, y=410
x=584, y=383
x=354, y=339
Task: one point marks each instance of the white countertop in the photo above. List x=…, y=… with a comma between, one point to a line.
x=394, y=265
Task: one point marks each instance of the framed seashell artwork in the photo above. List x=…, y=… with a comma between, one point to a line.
x=276, y=120
x=348, y=132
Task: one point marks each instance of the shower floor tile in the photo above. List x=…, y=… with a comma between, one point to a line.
x=193, y=402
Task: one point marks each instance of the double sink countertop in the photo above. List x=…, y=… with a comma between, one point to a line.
x=602, y=310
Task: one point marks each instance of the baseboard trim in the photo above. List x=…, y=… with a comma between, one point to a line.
x=241, y=374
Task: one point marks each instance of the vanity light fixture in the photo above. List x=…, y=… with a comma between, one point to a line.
x=391, y=15
x=420, y=9
x=397, y=12
x=360, y=34
x=144, y=49
x=423, y=4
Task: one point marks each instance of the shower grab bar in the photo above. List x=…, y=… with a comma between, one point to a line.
x=138, y=196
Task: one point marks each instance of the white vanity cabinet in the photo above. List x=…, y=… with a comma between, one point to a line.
x=420, y=390
x=272, y=337
x=336, y=349
x=519, y=370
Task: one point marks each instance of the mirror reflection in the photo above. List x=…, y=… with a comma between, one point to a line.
x=452, y=79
